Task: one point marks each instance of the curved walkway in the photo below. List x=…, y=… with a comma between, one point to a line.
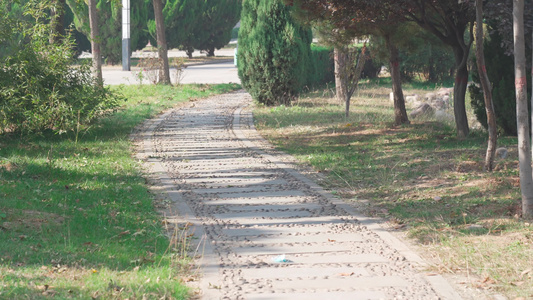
x=266, y=231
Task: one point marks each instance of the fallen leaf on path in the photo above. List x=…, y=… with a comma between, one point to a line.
x=346, y=274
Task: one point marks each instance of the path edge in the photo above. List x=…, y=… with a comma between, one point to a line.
x=156, y=173
x=243, y=121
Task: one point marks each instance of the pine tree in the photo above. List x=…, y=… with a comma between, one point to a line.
x=218, y=19
x=273, y=51
x=182, y=17
x=110, y=20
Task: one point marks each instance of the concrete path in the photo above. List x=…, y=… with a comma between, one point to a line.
x=265, y=230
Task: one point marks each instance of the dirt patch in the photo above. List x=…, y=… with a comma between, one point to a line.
x=9, y=166
x=30, y=219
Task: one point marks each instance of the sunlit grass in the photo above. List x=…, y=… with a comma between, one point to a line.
x=419, y=177
x=77, y=219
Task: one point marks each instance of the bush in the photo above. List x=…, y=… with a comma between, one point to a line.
x=273, y=52
x=500, y=69
x=422, y=56
x=39, y=88
x=320, y=67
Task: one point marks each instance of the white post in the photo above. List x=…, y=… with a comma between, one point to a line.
x=126, y=61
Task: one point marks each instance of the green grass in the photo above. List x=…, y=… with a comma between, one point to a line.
x=77, y=219
x=419, y=177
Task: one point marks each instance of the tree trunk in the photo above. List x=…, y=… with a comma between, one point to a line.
x=487, y=93
x=164, y=71
x=340, y=61
x=57, y=15
x=351, y=77
x=522, y=114
x=211, y=52
x=400, y=114
x=189, y=51
x=95, y=42
x=459, y=92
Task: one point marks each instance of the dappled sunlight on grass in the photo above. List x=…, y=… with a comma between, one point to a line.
x=77, y=219
x=419, y=177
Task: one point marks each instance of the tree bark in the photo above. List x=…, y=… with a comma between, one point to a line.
x=164, y=71
x=352, y=77
x=57, y=15
x=487, y=90
x=522, y=114
x=459, y=92
x=340, y=61
x=400, y=114
x=95, y=42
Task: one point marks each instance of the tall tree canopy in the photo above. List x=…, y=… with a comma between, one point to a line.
x=446, y=19
x=218, y=19
x=273, y=51
x=181, y=18
x=110, y=20
x=356, y=18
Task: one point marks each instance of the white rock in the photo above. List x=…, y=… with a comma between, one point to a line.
x=423, y=109
x=502, y=152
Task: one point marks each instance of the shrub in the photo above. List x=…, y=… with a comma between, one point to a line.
x=320, y=67
x=39, y=88
x=273, y=52
x=500, y=69
x=422, y=56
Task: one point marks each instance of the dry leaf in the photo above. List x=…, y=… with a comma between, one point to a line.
x=518, y=283
x=346, y=274
x=329, y=240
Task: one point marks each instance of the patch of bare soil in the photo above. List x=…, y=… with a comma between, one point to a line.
x=30, y=219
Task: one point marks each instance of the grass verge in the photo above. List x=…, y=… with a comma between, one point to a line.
x=419, y=178
x=76, y=217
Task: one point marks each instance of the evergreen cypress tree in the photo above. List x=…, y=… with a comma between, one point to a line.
x=182, y=17
x=500, y=68
x=218, y=19
x=273, y=52
x=110, y=20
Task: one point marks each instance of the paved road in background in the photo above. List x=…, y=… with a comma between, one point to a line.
x=224, y=72
x=265, y=230
x=221, y=72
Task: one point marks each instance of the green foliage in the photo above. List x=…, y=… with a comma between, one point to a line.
x=38, y=87
x=500, y=69
x=86, y=207
x=110, y=25
x=421, y=55
x=215, y=29
x=272, y=53
x=235, y=33
x=320, y=67
x=181, y=19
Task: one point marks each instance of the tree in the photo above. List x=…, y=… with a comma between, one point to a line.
x=182, y=18
x=164, y=73
x=361, y=18
x=218, y=19
x=522, y=113
x=110, y=20
x=448, y=20
x=57, y=16
x=273, y=51
x=95, y=41
x=487, y=90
